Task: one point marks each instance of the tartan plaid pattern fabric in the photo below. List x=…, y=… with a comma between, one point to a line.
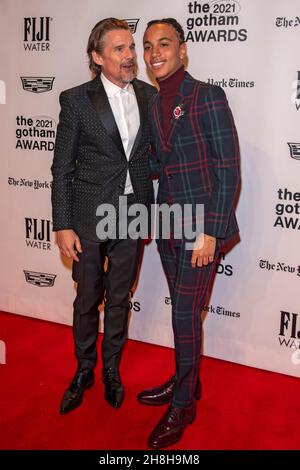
x=199, y=157
x=188, y=290
x=198, y=163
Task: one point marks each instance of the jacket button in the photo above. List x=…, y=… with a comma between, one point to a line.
x=120, y=186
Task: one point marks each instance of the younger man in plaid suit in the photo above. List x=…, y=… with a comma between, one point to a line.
x=196, y=147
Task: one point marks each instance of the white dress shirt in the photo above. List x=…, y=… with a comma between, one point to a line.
x=126, y=113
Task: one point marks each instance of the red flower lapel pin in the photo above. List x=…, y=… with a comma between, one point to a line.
x=178, y=111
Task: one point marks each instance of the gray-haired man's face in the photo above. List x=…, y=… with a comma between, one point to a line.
x=118, y=58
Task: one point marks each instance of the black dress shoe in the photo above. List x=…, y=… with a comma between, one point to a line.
x=164, y=393
x=73, y=396
x=171, y=427
x=114, y=391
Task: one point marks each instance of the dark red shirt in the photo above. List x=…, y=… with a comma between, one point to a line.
x=168, y=90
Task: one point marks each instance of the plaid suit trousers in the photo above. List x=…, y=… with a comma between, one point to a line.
x=188, y=290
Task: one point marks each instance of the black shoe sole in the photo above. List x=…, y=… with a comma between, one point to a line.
x=165, y=444
x=171, y=441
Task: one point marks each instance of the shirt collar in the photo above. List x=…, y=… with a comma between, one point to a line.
x=112, y=89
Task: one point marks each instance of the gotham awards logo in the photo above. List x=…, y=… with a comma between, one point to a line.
x=35, y=133
x=287, y=210
x=216, y=21
x=223, y=267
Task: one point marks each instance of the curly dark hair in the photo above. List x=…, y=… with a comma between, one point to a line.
x=172, y=22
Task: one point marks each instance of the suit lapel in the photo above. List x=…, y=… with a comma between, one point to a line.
x=141, y=98
x=156, y=114
x=182, y=102
x=181, y=105
x=101, y=104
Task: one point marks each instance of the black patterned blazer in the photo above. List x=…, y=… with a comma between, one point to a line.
x=90, y=166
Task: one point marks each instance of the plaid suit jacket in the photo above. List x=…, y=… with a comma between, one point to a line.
x=198, y=161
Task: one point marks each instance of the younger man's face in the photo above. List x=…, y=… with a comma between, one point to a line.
x=163, y=53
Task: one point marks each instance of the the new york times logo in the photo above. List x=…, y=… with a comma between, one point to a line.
x=37, y=34
x=284, y=22
x=289, y=333
x=221, y=311
x=279, y=266
x=216, y=21
x=132, y=23
x=215, y=309
x=28, y=184
x=38, y=233
x=231, y=83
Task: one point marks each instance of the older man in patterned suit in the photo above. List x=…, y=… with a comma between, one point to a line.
x=101, y=153
x=196, y=147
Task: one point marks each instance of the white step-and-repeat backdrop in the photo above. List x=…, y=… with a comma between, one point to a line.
x=251, y=49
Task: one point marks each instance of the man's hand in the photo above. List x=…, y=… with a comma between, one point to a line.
x=204, y=250
x=68, y=243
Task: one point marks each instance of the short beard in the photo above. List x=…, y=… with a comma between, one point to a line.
x=128, y=80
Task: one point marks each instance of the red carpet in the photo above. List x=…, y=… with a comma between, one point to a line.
x=241, y=407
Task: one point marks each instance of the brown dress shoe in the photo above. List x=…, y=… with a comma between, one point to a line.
x=171, y=427
x=163, y=394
